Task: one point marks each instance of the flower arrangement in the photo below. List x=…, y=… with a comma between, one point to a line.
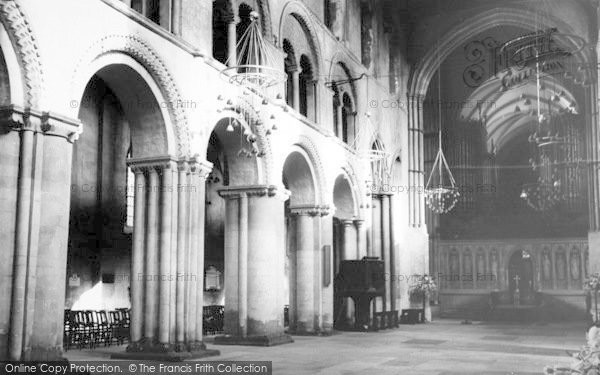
x=586, y=361
x=593, y=283
x=424, y=286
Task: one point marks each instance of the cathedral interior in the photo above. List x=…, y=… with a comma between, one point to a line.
x=253, y=171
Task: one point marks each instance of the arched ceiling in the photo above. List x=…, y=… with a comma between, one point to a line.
x=508, y=102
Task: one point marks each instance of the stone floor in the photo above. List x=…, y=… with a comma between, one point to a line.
x=442, y=347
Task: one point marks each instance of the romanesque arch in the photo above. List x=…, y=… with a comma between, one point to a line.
x=157, y=75
x=295, y=10
x=26, y=51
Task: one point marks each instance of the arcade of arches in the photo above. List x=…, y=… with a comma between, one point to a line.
x=134, y=177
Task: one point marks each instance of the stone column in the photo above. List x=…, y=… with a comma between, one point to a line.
x=554, y=278
x=305, y=261
x=231, y=41
x=326, y=269
x=42, y=216
x=348, y=254
x=176, y=17
x=264, y=273
x=393, y=256
x=166, y=201
x=296, y=89
x=137, y=255
x=182, y=248
x=376, y=240
x=243, y=265
x=168, y=223
x=340, y=130
x=151, y=267
x=592, y=136
x=201, y=170
x=385, y=239
x=361, y=247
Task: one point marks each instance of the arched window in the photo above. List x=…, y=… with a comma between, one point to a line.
x=306, y=88
x=347, y=119
x=290, y=68
x=221, y=17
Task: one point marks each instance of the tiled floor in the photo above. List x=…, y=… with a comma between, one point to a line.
x=442, y=347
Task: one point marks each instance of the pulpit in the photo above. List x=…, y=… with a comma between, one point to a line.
x=362, y=280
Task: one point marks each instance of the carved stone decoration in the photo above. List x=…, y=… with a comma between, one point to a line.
x=139, y=50
x=467, y=262
x=547, y=266
x=561, y=266
x=454, y=265
x=494, y=265
x=586, y=261
x=480, y=261
x=575, y=264
x=15, y=22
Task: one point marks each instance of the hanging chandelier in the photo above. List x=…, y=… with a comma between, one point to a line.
x=546, y=192
x=547, y=139
x=252, y=78
x=375, y=154
x=441, y=193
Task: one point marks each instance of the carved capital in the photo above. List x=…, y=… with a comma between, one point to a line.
x=347, y=223
x=158, y=163
x=26, y=119
x=56, y=125
x=306, y=210
x=359, y=223
x=200, y=167
x=255, y=191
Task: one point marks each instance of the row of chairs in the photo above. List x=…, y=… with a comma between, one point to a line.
x=90, y=329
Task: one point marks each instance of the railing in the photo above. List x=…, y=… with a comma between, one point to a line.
x=89, y=328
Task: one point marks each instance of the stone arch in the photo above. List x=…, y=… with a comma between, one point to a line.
x=351, y=190
x=229, y=109
x=301, y=13
x=307, y=145
x=151, y=62
x=338, y=63
x=299, y=177
x=26, y=52
x=522, y=18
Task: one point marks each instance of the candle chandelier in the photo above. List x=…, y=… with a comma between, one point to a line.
x=253, y=80
x=441, y=193
x=553, y=144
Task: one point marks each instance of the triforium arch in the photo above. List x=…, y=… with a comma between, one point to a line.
x=429, y=65
x=159, y=79
x=297, y=11
x=344, y=101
